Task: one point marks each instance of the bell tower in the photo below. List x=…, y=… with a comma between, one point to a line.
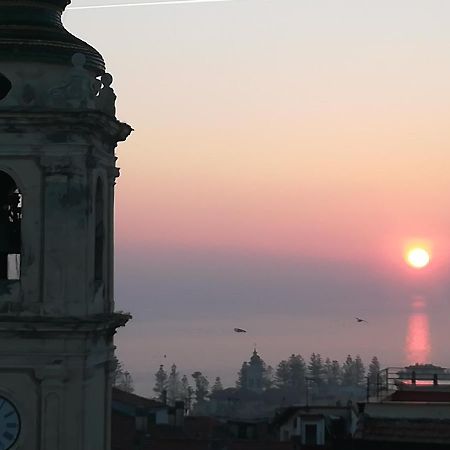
x=58, y=134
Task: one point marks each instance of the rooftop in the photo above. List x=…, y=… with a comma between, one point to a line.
x=424, y=382
x=134, y=400
x=405, y=430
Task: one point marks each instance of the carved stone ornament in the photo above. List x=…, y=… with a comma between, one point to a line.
x=56, y=165
x=78, y=90
x=106, y=99
x=82, y=91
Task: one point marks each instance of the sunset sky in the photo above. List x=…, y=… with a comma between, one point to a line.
x=286, y=154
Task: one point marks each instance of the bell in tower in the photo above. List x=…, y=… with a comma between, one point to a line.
x=58, y=134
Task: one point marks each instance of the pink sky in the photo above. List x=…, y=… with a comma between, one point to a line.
x=285, y=153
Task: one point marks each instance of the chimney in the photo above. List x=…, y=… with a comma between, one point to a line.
x=179, y=414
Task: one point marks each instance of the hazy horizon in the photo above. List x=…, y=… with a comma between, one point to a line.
x=286, y=154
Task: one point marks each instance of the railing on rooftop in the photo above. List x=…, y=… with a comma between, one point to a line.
x=395, y=378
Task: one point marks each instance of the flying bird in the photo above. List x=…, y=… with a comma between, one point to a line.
x=360, y=320
x=240, y=330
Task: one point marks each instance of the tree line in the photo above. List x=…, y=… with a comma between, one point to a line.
x=292, y=376
x=294, y=372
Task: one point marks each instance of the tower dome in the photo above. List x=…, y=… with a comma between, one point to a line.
x=45, y=68
x=32, y=31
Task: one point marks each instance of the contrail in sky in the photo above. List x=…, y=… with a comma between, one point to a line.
x=155, y=3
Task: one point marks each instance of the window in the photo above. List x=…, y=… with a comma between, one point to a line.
x=99, y=231
x=10, y=228
x=310, y=434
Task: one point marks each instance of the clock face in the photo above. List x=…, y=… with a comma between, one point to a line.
x=9, y=424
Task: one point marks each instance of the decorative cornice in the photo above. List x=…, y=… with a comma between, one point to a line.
x=34, y=326
x=65, y=122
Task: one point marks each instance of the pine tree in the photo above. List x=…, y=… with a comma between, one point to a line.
x=201, y=387
x=282, y=375
x=185, y=387
x=374, y=369
x=161, y=379
x=316, y=368
x=217, y=386
x=331, y=377
x=268, y=381
x=297, y=372
x=117, y=367
x=241, y=383
x=359, y=372
x=348, y=369
x=173, y=385
x=127, y=382
x=336, y=373
x=189, y=398
x=122, y=379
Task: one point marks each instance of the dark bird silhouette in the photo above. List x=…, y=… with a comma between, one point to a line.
x=360, y=320
x=240, y=330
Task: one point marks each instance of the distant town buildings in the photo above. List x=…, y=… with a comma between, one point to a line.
x=320, y=426
x=405, y=409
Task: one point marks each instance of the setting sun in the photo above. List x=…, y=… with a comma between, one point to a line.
x=418, y=258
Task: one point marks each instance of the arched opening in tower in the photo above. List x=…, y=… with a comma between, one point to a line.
x=99, y=230
x=5, y=86
x=10, y=228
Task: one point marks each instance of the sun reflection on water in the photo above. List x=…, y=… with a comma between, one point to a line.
x=418, y=346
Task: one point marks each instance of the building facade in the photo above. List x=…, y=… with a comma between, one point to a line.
x=58, y=135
